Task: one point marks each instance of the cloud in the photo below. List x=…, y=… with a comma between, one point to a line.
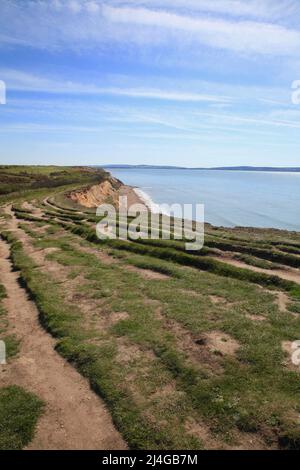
x=92, y=7
x=21, y=81
x=264, y=9
x=136, y=117
x=178, y=25
x=238, y=36
x=165, y=95
x=259, y=120
x=74, y=6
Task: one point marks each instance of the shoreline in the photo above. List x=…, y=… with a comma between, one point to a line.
x=261, y=201
x=114, y=188
x=146, y=200
x=133, y=197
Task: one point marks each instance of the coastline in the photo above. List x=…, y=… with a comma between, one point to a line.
x=110, y=191
x=132, y=196
x=148, y=201
x=139, y=196
x=255, y=200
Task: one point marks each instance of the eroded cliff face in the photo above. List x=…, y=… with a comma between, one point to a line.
x=93, y=196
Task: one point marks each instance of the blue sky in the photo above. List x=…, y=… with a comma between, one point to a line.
x=182, y=82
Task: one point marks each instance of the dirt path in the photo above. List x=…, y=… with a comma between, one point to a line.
x=283, y=301
x=290, y=274
x=12, y=224
x=75, y=417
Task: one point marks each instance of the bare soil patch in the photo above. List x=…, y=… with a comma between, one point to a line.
x=193, y=346
x=148, y=274
x=256, y=317
x=218, y=300
x=289, y=274
x=221, y=342
x=282, y=301
x=102, y=255
x=128, y=352
x=202, y=432
x=36, y=211
x=115, y=317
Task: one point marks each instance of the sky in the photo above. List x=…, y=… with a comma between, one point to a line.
x=166, y=82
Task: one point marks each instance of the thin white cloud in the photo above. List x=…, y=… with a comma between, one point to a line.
x=74, y=6
x=239, y=36
x=264, y=9
x=88, y=116
x=260, y=120
x=232, y=25
x=165, y=95
x=93, y=7
x=20, y=81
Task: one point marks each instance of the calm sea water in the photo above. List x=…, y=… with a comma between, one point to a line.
x=231, y=198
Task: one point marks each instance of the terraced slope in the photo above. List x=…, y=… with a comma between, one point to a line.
x=188, y=350
x=12, y=178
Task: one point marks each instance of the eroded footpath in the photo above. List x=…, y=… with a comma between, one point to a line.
x=75, y=417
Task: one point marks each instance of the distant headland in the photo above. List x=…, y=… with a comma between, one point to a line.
x=223, y=168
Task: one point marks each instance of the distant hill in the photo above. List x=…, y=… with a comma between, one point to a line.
x=147, y=167
x=258, y=168
x=223, y=168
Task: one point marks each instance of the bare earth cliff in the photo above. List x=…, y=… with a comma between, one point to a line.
x=107, y=192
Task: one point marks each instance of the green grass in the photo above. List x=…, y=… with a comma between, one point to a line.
x=138, y=341
x=3, y=319
x=2, y=292
x=259, y=263
x=38, y=182
x=251, y=249
x=98, y=361
x=145, y=247
x=255, y=393
x=19, y=412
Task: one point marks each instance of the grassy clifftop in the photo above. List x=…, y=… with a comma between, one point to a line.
x=14, y=178
x=188, y=350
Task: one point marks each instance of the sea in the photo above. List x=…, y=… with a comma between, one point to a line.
x=231, y=198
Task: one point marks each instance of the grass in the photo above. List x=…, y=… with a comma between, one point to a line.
x=97, y=362
x=36, y=177
x=143, y=247
x=254, y=393
x=259, y=263
x=251, y=249
x=142, y=343
x=39, y=182
x=19, y=412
